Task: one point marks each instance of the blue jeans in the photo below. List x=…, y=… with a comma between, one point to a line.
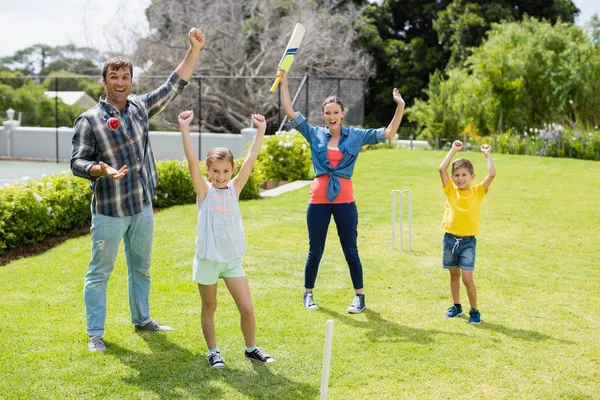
x=107, y=232
x=318, y=217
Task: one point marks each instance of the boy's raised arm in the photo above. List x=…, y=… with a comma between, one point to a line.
x=457, y=145
x=487, y=181
x=200, y=185
x=242, y=177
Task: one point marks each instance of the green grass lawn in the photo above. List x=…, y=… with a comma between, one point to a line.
x=537, y=273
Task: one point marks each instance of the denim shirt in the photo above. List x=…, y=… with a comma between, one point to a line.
x=350, y=143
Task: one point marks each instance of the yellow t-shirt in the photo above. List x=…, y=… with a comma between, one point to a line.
x=461, y=216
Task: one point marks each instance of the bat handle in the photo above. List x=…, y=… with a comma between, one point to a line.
x=275, y=84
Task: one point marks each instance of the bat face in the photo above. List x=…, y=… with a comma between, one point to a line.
x=290, y=52
x=292, y=47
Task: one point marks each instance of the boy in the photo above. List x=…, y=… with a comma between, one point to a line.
x=461, y=224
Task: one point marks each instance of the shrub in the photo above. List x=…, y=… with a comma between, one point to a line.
x=33, y=210
x=175, y=185
x=285, y=157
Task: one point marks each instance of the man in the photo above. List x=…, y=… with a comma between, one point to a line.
x=112, y=149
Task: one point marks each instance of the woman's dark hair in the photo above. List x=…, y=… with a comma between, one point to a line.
x=332, y=99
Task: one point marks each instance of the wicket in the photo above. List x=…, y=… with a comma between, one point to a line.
x=400, y=194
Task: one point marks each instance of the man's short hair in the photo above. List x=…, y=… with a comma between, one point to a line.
x=116, y=63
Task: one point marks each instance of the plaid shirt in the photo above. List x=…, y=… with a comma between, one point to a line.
x=129, y=145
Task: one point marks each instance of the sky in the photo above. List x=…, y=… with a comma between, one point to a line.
x=94, y=23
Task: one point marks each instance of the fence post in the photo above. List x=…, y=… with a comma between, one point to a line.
x=56, y=115
x=199, y=118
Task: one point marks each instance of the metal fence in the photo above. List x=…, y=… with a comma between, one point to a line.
x=219, y=102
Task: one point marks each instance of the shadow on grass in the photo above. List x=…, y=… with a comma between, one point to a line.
x=522, y=334
x=382, y=330
x=172, y=372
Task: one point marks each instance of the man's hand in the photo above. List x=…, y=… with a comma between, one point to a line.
x=107, y=170
x=196, y=38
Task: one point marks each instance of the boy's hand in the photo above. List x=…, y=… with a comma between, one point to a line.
x=196, y=38
x=485, y=149
x=457, y=145
x=259, y=122
x=398, y=97
x=186, y=117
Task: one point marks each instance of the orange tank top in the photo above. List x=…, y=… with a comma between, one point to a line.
x=318, y=189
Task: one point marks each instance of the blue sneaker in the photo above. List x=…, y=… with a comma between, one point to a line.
x=358, y=304
x=454, y=311
x=474, y=317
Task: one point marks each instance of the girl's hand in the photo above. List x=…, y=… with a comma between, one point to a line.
x=186, y=117
x=398, y=97
x=259, y=121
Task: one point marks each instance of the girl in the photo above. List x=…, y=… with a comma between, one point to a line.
x=220, y=242
x=335, y=149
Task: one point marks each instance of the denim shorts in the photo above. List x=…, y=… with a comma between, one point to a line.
x=208, y=272
x=459, y=251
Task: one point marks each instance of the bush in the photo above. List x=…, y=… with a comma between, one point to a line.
x=36, y=209
x=33, y=210
x=175, y=185
x=285, y=157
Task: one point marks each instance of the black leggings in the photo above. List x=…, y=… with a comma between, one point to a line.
x=318, y=217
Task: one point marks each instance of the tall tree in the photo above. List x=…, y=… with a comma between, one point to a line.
x=246, y=39
x=464, y=23
x=410, y=39
x=41, y=59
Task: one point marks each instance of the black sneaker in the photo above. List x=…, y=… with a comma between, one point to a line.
x=309, y=302
x=260, y=356
x=215, y=360
x=153, y=326
x=358, y=304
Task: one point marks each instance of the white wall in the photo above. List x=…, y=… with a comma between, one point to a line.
x=40, y=143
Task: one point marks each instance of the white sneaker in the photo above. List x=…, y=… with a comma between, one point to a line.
x=309, y=302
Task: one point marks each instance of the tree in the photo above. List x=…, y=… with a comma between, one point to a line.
x=246, y=39
x=526, y=74
x=41, y=59
x=400, y=37
x=410, y=39
x=464, y=23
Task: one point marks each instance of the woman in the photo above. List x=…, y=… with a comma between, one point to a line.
x=335, y=149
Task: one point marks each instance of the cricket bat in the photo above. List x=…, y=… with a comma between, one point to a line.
x=290, y=52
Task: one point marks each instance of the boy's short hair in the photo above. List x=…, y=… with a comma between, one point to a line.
x=462, y=163
x=116, y=63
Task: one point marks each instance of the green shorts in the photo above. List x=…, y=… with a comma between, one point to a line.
x=208, y=272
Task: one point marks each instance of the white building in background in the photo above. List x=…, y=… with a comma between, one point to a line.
x=82, y=99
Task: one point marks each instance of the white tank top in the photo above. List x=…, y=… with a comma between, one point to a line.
x=220, y=235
